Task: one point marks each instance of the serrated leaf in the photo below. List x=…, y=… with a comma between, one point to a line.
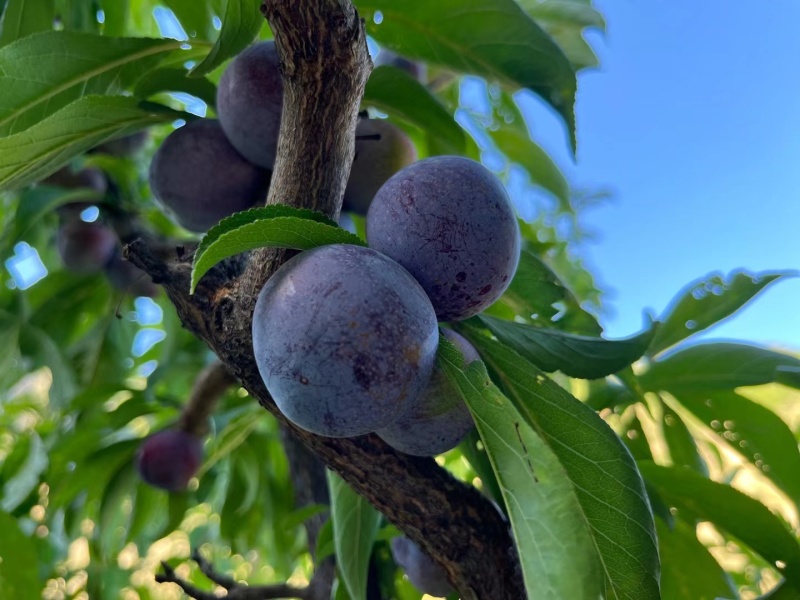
x=355, y=526
x=753, y=431
x=19, y=577
x=240, y=26
x=730, y=510
x=575, y=355
x=708, y=301
x=689, y=569
x=35, y=86
x=40, y=150
x=176, y=80
x=301, y=231
x=397, y=93
x=715, y=366
x=491, y=38
x=537, y=294
x=608, y=485
x=556, y=550
x=24, y=17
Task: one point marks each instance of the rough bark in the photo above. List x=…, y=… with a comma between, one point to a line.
x=325, y=63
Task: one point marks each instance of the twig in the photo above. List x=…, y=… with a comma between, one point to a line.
x=208, y=388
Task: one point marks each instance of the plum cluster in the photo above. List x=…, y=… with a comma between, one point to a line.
x=94, y=247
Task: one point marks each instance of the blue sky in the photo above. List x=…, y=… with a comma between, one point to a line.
x=694, y=122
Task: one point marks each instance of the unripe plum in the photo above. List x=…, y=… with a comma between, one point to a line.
x=423, y=572
x=200, y=179
x=169, y=459
x=438, y=420
x=128, y=278
x=344, y=338
x=449, y=221
x=381, y=152
x=249, y=103
x=86, y=247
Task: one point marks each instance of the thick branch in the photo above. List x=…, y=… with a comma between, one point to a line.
x=325, y=62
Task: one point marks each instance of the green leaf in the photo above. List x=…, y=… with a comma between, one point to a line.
x=40, y=347
x=782, y=591
x=195, y=17
x=355, y=525
x=24, y=17
x=117, y=13
x=564, y=21
x=689, y=569
x=26, y=479
x=491, y=38
x=555, y=548
x=606, y=480
x=277, y=226
x=753, y=431
x=30, y=155
x=176, y=80
x=36, y=86
x=708, y=301
x=397, y=93
x=789, y=376
x=680, y=442
x=575, y=355
x=240, y=26
x=479, y=460
x=715, y=366
x=730, y=510
x=537, y=294
x=19, y=576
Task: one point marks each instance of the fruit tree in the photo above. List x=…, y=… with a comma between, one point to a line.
x=273, y=325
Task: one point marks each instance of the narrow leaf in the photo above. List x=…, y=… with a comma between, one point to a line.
x=33, y=154
x=689, y=569
x=240, y=26
x=24, y=17
x=730, y=510
x=195, y=17
x=19, y=577
x=708, y=301
x=555, y=548
x=753, y=431
x=17, y=488
x=397, y=93
x=491, y=38
x=608, y=485
x=715, y=366
x=355, y=525
x=35, y=85
x=680, y=442
x=251, y=229
x=575, y=355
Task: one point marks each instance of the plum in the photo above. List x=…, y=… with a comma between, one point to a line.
x=198, y=177
x=86, y=247
x=249, y=103
x=438, y=420
x=381, y=152
x=128, y=278
x=169, y=459
x=423, y=572
x=344, y=339
x=449, y=221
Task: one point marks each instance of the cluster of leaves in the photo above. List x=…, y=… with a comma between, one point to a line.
x=662, y=422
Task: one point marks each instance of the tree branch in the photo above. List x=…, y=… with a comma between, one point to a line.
x=325, y=63
x=208, y=388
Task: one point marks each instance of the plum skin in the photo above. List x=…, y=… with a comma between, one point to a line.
x=439, y=419
x=169, y=459
x=450, y=222
x=249, y=103
x=376, y=160
x=199, y=178
x=86, y=247
x=344, y=339
x=423, y=572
